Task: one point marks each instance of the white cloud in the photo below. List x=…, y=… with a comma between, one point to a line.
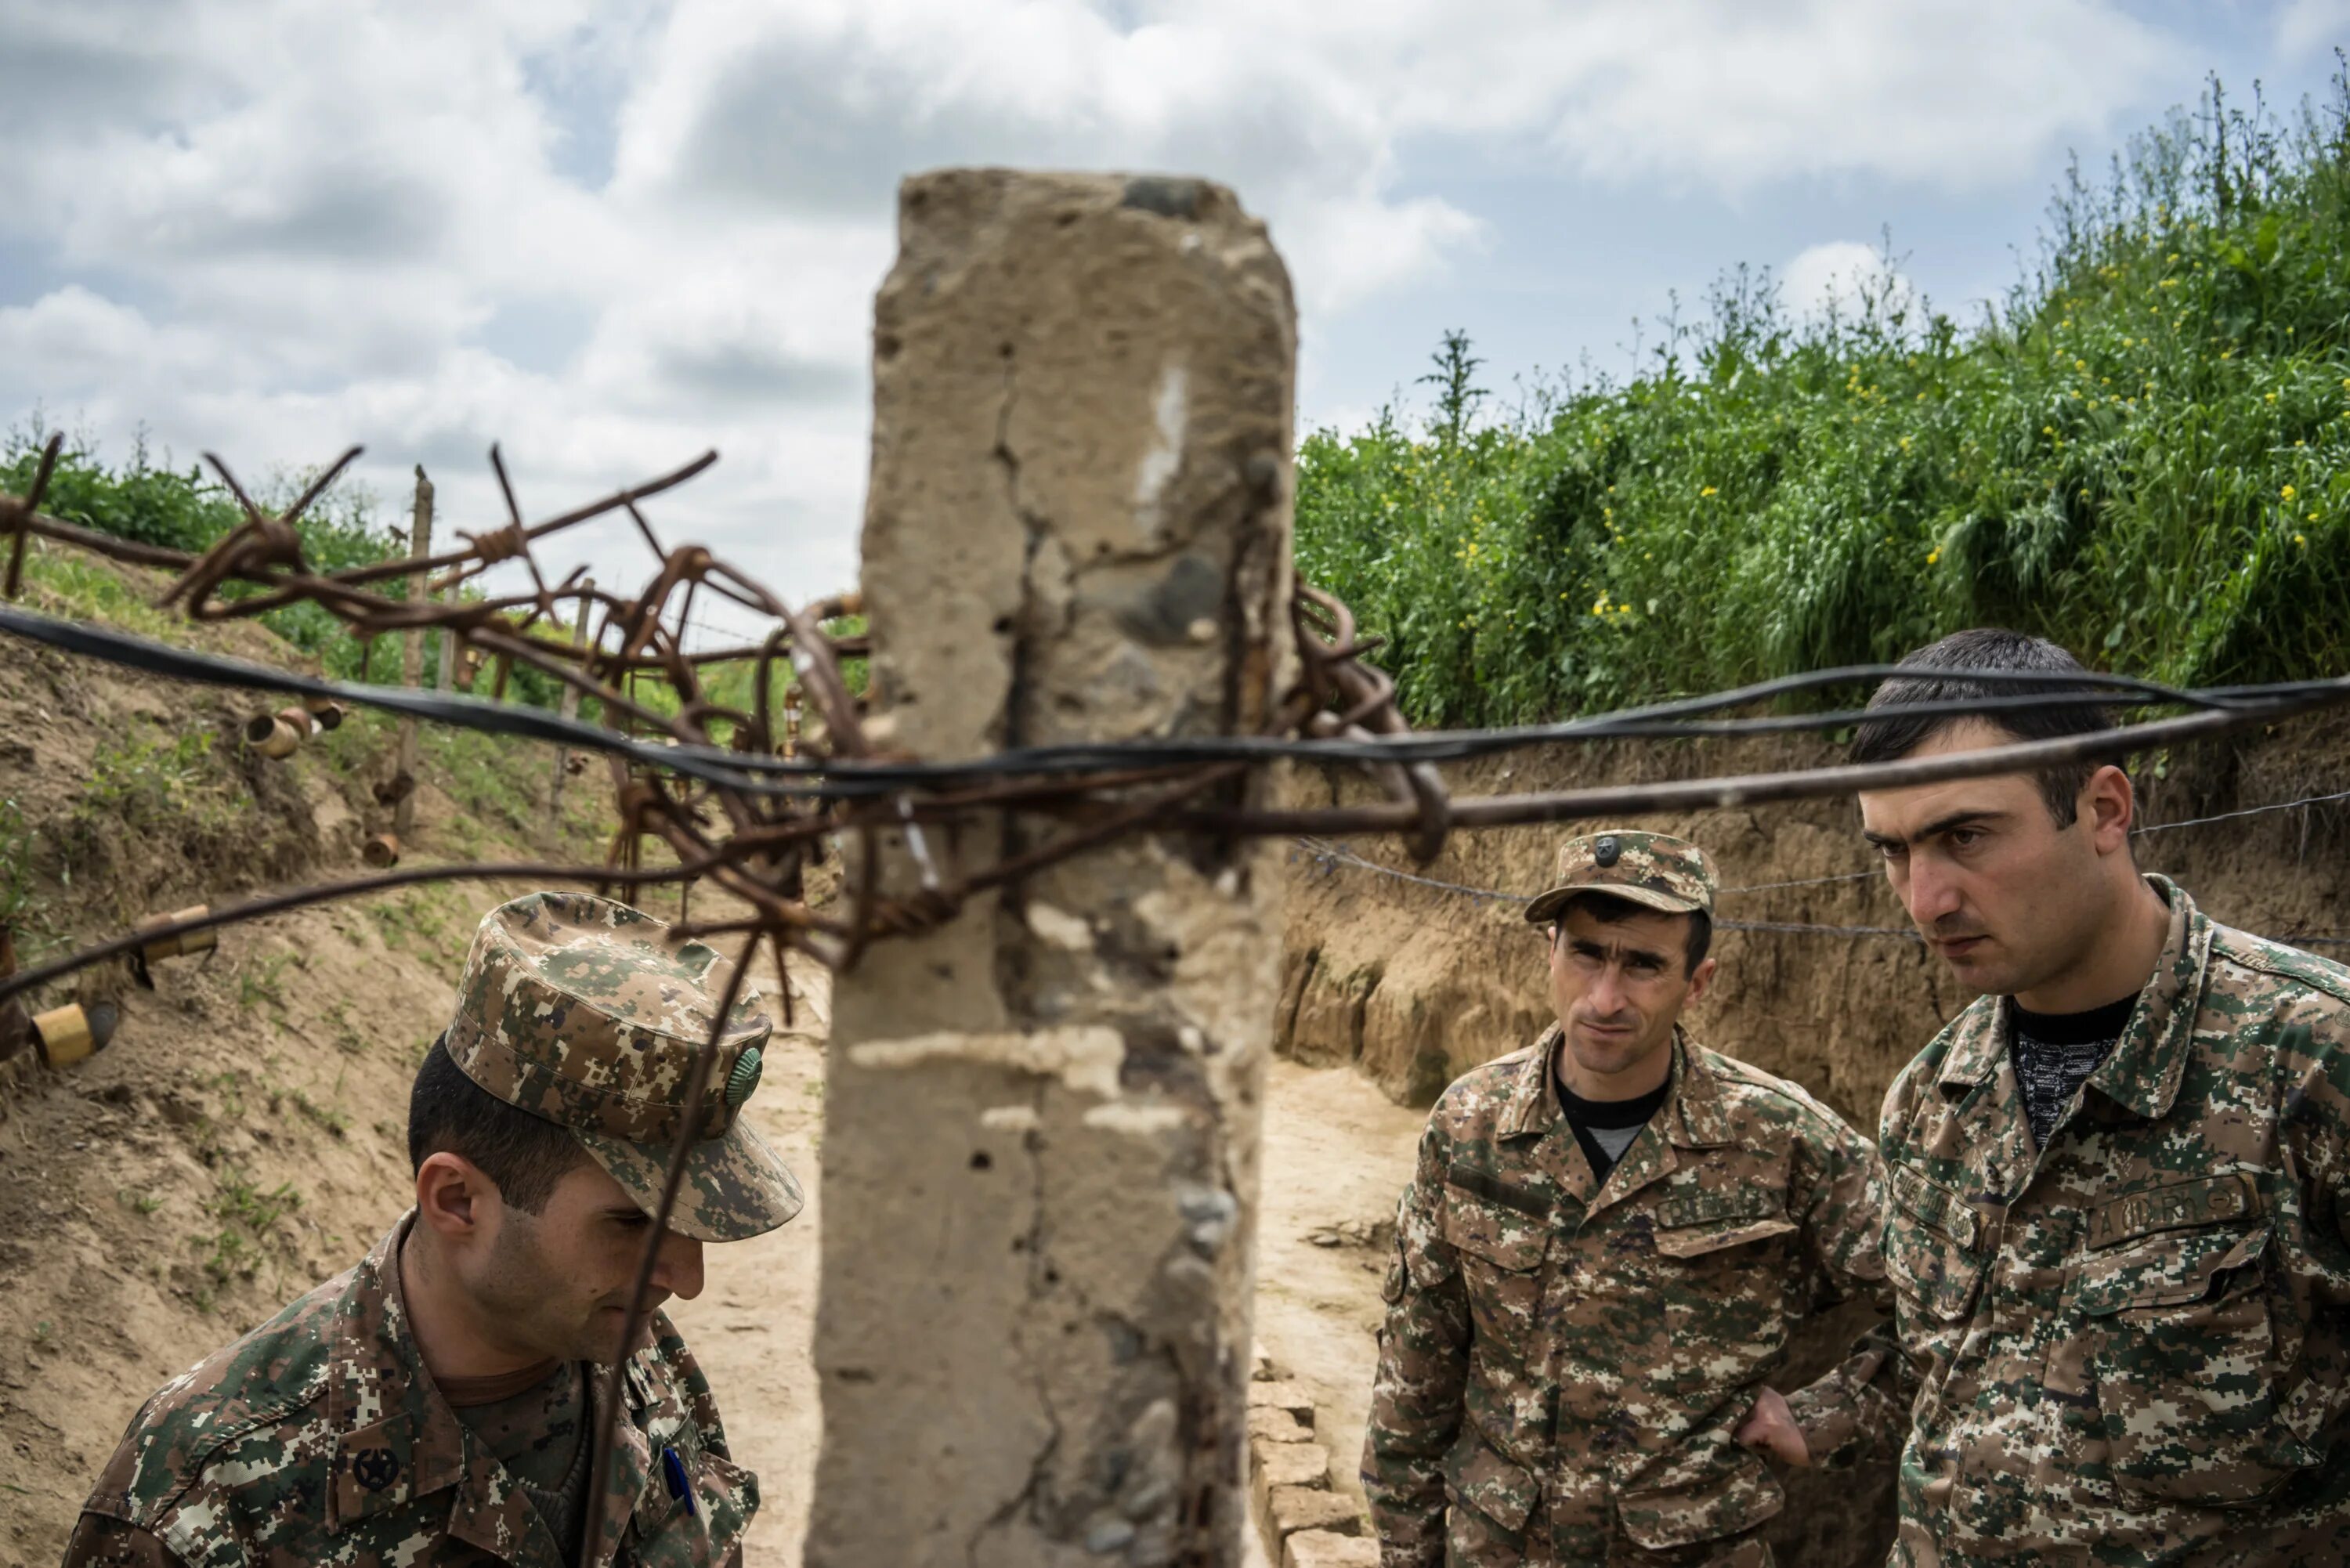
x=274, y=228
x=1846, y=277
x=1731, y=96
x=2305, y=25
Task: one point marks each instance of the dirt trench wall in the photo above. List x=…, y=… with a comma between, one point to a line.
x=1412, y=985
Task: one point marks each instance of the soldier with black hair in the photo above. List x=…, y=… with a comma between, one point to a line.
x=435, y=1403
x=2118, y=1183
x=1599, y=1257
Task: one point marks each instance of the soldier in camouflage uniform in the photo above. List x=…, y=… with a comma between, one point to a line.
x=1600, y=1257
x=2118, y=1183
x=435, y=1403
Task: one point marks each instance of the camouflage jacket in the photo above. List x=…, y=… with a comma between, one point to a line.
x=2134, y=1342
x=1588, y=1354
x=319, y=1438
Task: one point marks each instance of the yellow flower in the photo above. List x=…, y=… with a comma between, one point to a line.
x=2311, y=518
x=1709, y=489
x=1600, y=608
x=2299, y=540
x=2170, y=283
x=2286, y=492
x=1932, y=557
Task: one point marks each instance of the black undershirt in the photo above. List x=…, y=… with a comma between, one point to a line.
x=1619, y=1121
x=2054, y=1053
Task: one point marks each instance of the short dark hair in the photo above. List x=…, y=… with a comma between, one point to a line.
x=1895, y=735
x=1607, y=908
x=523, y=1154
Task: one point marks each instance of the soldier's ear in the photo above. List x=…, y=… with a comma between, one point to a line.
x=450, y=1191
x=1699, y=978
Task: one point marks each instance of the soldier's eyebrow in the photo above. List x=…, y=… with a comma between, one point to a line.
x=1590, y=948
x=1941, y=825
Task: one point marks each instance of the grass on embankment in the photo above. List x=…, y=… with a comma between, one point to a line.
x=2139, y=455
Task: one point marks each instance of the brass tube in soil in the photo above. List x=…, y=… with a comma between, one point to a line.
x=381, y=851
x=73, y=1034
x=297, y=718
x=187, y=943
x=271, y=736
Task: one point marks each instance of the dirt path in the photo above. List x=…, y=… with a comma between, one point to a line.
x=1336, y=1155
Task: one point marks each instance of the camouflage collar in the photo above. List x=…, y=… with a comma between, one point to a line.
x=1693, y=1116
x=2142, y=1072
x=396, y=1441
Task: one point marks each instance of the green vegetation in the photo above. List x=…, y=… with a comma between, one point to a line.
x=182, y=509
x=247, y=1214
x=150, y=781
x=2140, y=453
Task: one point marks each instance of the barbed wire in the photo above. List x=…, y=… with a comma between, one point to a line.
x=745, y=801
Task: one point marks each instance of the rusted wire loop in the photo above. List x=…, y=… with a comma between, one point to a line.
x=497, y=545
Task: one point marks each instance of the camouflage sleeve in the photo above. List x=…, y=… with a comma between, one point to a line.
x=1860, y=1403
x=102, y=1542
x=1423, y=1369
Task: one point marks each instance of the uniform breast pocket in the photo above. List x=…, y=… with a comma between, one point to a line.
x=1723, y=1273
x=2177, y=1338
x=693, y=1515
x=1499, y=1233
x=1931, y=1240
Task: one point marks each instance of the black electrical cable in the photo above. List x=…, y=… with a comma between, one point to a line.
x=832, y=778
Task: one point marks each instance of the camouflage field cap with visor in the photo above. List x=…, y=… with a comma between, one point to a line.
x=1666, y=874
x=589, y=1013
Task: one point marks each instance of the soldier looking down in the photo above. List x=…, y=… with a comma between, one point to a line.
x=2118, y=1183
x=434, y=1403
x=1599, y=1256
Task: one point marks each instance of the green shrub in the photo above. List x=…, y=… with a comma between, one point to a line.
x=2139, y=453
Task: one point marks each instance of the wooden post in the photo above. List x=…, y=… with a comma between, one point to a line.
x=411, y=655
x=1040, y=1144
x=567, y=705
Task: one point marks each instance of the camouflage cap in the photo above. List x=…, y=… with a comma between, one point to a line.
x=1652, y=869
x=589, y=1013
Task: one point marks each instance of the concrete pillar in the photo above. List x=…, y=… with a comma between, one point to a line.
x=1041, y=1120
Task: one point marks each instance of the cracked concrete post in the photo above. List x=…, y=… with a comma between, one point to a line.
x=1041, y=1120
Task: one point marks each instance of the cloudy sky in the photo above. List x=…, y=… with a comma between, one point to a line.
x=610, y=234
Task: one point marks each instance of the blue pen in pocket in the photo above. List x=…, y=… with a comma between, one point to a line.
x=679, y=1487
